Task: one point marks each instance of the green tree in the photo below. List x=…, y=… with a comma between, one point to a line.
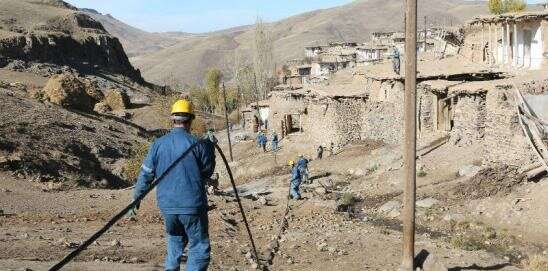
x=212, y=84
x=496, y=6
x=514, y=5
x=502, y=6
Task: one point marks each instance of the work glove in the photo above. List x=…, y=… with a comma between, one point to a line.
x=133, y=211
x=211, y=138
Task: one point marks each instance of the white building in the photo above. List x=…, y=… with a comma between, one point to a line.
x=518, y=40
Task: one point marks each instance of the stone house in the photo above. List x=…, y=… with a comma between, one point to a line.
x=480, y=113
x=371, y=53
x=253, y=119
x=320, y=119
x=517, y=40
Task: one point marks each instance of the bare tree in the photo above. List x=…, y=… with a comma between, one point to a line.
x=263, y=63
x=244, y=78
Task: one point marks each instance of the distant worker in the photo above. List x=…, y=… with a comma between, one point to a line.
x=319, y=151
x=259, y=134
x=295, y=183
x=262, y=141
x=181, y=195
x=274, y=139
x=331, y=149
x=302, y=164
x=396, y=60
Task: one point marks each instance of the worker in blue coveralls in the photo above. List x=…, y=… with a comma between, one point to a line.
x=181, y=195
x=274, y=139
x=294, y=191
x=302, y=164
x=262, y=141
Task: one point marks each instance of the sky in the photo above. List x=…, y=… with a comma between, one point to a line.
x=197, y=16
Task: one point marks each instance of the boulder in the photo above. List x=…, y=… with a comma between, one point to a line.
x=427, y=203
x=117, y=99
x=433, y=264
x=453, y=217
x=101, y=108
x=68, y=91
x=92, y=90
x=390, y=206
x=468, y=170
x=320, y=190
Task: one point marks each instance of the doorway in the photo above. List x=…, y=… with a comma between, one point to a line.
x=444, y=113
x=527, y=37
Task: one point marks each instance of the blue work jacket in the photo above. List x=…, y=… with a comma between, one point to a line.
x=182, y=191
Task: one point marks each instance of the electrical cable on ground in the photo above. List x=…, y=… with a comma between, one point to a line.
x=136, y=201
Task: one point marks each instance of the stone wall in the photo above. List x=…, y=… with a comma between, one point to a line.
x=504, y=142
x=324, y=120
x=469, y=115
x=426, y=111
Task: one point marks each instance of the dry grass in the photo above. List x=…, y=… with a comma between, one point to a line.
x=537, y=263
x=133, y=165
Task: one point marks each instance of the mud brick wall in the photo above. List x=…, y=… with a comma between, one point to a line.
x=324, y=120
x=469, y=116
x=473, y=47
x=347, y=116
x=320, y=127
x=504, y=141
x=281, y=105
x=383, y=117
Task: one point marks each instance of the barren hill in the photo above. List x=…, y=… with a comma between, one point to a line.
x=135, y=41
x=188, y=59
x=39, y=33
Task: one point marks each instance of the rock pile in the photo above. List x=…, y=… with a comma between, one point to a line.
x=70, y=92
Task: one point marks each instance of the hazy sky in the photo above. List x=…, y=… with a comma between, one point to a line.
x=206, y=15
x=201, y=16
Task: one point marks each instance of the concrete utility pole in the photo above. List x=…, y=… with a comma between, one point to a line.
x=227, y=126
x=410, y=109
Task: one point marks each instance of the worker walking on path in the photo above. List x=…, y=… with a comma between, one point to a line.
x=295, y=184
x=181, y=195
x=274, y=139
x=302, y=164
x=262, y=141
x=319, y=151
x=259, y=135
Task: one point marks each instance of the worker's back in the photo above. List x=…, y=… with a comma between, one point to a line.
x=183, y=189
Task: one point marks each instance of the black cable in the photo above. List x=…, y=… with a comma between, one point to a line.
x=121, y=214
x=239, y=203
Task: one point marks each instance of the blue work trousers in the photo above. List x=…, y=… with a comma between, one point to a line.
x=295, y=187
x=191, y=229
x=274, y=146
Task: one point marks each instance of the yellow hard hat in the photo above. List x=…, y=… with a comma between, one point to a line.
x=290, y=162
x=182, y=106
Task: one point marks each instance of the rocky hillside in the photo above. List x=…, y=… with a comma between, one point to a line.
x=191, y=56
x=43, y=35
x=136, y=41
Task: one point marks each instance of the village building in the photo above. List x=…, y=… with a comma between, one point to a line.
x=516, y=40
x=255, y=117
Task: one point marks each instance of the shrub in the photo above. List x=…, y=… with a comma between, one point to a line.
x=537, y=263
x=467, y=242
x=133, y=164
x=421, y=173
